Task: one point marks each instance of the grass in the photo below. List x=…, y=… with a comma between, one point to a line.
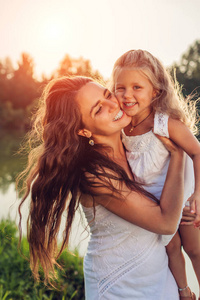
x=16, y=280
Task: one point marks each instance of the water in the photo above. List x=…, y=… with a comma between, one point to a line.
x=9, y=208
x=11, y=164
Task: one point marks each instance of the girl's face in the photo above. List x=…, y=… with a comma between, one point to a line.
x=101, y=113
x=134, y=91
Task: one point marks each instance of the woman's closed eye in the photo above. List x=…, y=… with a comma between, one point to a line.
x=98, y=110
x=109, y=95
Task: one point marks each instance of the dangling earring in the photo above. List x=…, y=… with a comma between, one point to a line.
x=91, y=141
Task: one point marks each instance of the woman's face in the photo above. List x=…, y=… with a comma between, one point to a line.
x=101, y=114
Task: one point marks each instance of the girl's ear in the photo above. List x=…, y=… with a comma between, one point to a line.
x=155, y=93
x=84, y=132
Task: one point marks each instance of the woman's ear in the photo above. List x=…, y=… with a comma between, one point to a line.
x=84, y=132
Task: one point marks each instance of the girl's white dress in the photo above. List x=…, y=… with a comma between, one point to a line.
x=149, y=161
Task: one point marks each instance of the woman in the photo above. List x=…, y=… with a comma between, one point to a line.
x=80, y=158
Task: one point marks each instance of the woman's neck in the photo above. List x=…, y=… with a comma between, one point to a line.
x=115, y=143
x=117, y=152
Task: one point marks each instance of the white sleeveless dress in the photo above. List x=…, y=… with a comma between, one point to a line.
x=124, y=261
x=149, y=161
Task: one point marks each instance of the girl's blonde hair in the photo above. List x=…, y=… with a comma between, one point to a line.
x=169, y=98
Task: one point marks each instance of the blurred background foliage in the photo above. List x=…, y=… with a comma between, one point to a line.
x=188, y=69
x=16, y=280
x=20, y=89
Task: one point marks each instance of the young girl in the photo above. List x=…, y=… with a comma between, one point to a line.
x=147, y=94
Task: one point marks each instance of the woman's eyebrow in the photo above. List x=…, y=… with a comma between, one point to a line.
x=105, y=91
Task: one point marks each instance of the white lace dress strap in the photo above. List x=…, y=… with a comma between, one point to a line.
x=161, y=124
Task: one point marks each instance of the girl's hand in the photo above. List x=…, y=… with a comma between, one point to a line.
x=195, y=207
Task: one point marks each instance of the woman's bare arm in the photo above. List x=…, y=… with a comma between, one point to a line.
x=144, y=212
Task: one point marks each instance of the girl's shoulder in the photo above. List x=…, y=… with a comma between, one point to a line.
x=165, y=125
x=161, y=124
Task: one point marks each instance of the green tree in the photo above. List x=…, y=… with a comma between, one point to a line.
x=188, y=69
x=6, y=73
x=19, y=89
x=23, y=86
x=6, y=68
x=76, y=66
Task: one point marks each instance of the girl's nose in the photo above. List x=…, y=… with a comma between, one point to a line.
x=128, y=94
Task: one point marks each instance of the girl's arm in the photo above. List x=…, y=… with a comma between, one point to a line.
x=144, y=212
x=183, y=137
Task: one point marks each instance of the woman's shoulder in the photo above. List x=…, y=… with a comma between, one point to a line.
x=86, y=201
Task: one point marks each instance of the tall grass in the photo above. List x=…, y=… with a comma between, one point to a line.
x=16, y=281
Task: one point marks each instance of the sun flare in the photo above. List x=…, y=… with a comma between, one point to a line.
x=52, y=31
x=50, y=42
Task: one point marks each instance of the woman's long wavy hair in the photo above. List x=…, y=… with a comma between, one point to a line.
x=57, y=171
x=169, y=98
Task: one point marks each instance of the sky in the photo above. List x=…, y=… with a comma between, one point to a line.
x=100, y=31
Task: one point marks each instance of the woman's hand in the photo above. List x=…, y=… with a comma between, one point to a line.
x=187, y=216
x=170, y=145
x=194, y=201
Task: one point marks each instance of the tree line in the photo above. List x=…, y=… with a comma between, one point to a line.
x=20, y=89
